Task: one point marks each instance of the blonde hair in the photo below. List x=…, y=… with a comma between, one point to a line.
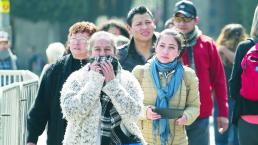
x=254, y=28
x=54, y=51
x=231, y=35
x=102, y=35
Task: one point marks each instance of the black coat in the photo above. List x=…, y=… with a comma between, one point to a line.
x=46, y=108
x=242, y=105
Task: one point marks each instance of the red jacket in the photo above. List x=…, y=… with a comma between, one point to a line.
x=210, y=72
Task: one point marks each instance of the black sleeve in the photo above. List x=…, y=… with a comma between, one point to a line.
x=235, y=79
x=39, y=113
x=122, y=54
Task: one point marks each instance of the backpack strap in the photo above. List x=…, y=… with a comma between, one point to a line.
x=252, y=40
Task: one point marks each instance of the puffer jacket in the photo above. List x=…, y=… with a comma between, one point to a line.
x=186, y=97
x=80, y=103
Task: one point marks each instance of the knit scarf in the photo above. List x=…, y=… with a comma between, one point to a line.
x=164, y=95
x=191, y=39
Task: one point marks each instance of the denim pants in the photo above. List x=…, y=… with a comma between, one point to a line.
x=198, y=132
x=247, y=133
x=230, y=136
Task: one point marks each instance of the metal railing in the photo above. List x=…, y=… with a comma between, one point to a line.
x=17, y=94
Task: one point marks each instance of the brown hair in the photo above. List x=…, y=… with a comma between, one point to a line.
x=231, y=35
x=177, y=35
x=119, y=24
x=81, y=27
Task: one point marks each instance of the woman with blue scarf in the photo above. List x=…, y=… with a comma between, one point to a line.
x=171, y=96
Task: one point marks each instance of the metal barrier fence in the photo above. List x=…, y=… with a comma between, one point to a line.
x=10, y=76
x=9, y=119
x=15, y=101
x=28, y=94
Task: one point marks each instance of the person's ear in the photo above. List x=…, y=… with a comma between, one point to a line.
x=154, y=24
x=178, y=53
x=9, y=44
x=129, y=28
x=197, y=20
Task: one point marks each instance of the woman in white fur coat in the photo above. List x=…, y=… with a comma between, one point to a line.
x=101, y=104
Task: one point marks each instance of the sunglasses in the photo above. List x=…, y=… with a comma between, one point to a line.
x=182, y=19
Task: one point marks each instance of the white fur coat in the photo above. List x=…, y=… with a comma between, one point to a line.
x=81, y=107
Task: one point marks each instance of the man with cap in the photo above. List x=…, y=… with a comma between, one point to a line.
x=7, y=58
x=200, y=53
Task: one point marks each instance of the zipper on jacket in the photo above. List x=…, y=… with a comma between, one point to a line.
x=165, y=75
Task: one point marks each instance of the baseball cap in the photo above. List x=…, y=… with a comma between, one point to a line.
x=186, y=8
x=3, y=36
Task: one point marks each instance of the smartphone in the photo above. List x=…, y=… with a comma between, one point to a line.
x=169, y=113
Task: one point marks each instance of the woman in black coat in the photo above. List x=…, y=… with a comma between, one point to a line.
x=245, y=115
x=46, y=109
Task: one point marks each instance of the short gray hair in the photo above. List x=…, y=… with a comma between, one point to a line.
x=102, y=34
x=55, y=50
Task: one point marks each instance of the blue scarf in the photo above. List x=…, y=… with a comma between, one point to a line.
x=164, y=95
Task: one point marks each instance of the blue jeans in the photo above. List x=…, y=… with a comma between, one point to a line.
x=230, y=136
x=198, y=132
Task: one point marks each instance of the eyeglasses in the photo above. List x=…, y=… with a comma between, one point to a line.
x=183, y=19
x=78, y=40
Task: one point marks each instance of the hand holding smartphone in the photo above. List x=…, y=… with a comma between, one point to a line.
x=169, y=113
